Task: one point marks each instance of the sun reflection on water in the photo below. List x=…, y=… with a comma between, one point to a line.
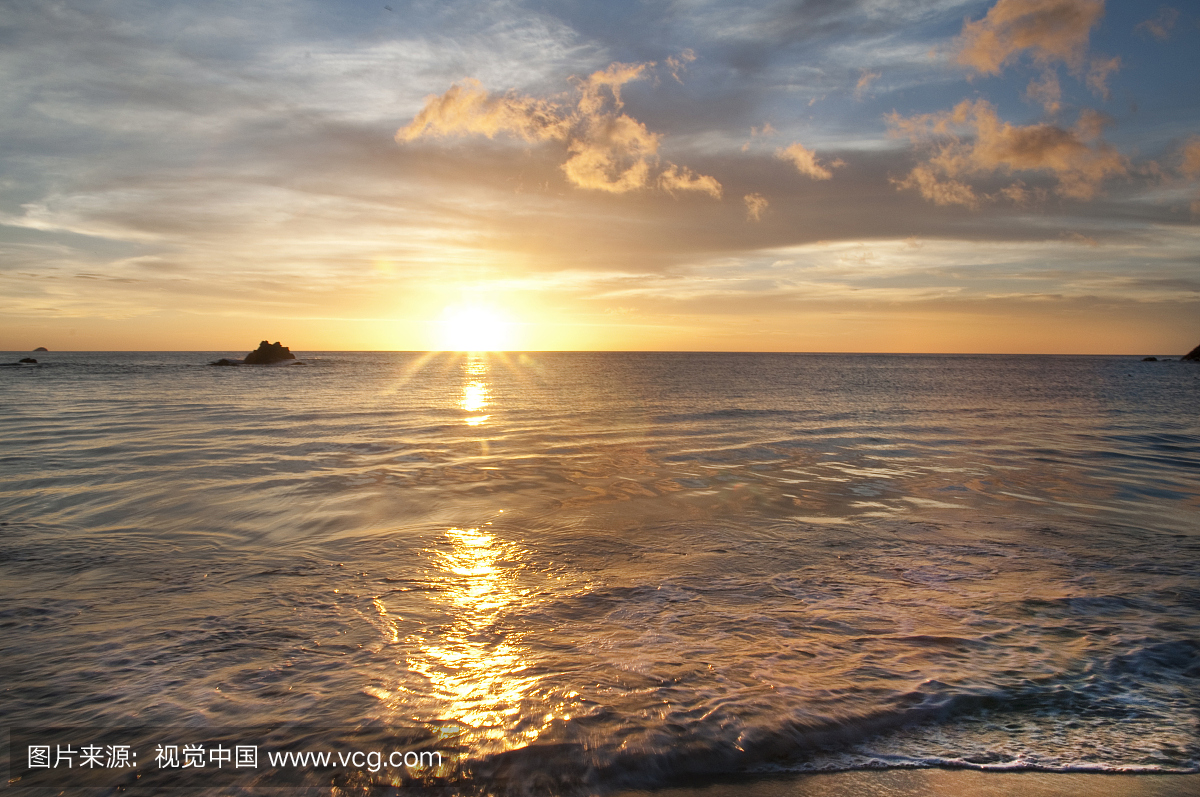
x=478, y=673
x=475, y=394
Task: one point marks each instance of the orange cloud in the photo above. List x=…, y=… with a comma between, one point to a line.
x=469, y=109
x=756, y=205
x=1050, y=30
x=937, y=189
x=971, y=141
x=681, y=178
x=613, y=78
x=678, y=64
x=1191, y=157
x=864, y=82
x=612, y=155
x=806, y=161
x=1018, y=194
x=608, y=150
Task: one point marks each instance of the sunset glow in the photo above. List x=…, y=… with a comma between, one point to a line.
x=475, y=327
x=1015, y=176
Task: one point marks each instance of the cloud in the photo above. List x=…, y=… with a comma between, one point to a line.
x=806, y=161
x=939, y=190
x=681, y=178
x=755, y=132
x=1097, y=76
x=678, y=64
x=1191, y=157
x=1047, y=91
x=1160, y=26
x=1019, y=194
x=608, y=150
x=972, y=141
x=469, y=109
x=592, y=97
x=1191, y=167
x=612, y=154
x=756, y=204
x=864, y=82
x=1050, y=30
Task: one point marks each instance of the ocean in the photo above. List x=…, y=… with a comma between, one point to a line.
x=577, y=573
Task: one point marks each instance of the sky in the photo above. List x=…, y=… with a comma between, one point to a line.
x=1020, y=176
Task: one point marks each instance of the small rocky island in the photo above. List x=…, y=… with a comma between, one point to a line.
x=265, y=354
x=1192, y=356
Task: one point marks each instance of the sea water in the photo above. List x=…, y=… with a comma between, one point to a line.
x=580, y=572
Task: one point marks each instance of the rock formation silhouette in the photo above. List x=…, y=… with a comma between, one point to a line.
x=268, y=353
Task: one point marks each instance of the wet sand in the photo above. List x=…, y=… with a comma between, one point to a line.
x=947, y=783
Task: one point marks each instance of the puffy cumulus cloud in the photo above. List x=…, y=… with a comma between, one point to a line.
x=611, y=153
x=1050, y=30
x=756, y=205
x=806, y=161
x=972, y=141
x=608, y=150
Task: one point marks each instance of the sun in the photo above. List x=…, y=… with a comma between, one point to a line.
x=474, y=326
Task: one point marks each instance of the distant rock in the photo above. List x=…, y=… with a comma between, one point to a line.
x=265, y=354
x=29, y=360
x=1149, y=359
x=1192, y=356
x=268, y=353
x=41, y=348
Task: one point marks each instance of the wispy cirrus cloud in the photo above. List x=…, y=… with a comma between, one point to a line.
x=608, y=150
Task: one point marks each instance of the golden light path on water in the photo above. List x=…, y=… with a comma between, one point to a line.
x=475, y=393
x=476, y=672
x=474, y=669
